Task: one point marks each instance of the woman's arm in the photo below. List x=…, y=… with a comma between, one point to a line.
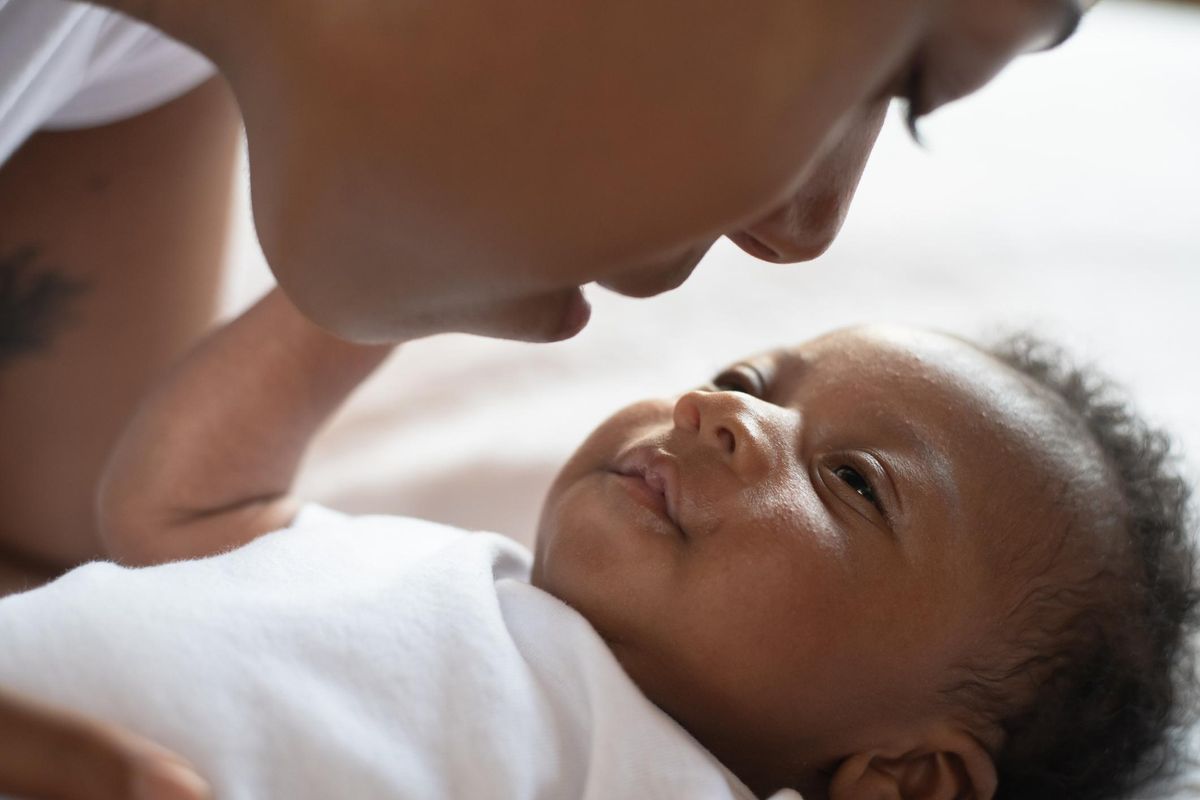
x=112, y=247
x=208, y=461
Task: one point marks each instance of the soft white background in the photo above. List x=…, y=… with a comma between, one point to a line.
x=1065, y=197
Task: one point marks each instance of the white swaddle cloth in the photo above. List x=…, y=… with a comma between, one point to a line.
x=363, y=657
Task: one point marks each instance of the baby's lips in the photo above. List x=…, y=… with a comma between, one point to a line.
x=658, y=483
x=660, y=472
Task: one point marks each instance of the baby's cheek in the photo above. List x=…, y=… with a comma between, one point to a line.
x=787, y=514
x=567, y=554
x=587, y=555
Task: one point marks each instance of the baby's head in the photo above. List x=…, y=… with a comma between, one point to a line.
x=886, y=563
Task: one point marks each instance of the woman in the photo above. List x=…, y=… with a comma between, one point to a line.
x=417, y=168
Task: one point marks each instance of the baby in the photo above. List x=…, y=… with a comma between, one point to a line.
x=882, y=564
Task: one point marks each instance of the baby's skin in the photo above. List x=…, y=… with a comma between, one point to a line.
x=791, y=561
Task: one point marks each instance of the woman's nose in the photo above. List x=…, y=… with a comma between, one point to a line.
x=804, y=227
x=728, y=423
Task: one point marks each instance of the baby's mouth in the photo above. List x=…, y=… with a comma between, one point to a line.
x=652, y=474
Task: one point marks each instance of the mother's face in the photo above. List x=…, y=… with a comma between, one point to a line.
x=963, y=45
x=470, y=164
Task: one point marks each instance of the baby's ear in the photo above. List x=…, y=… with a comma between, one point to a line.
x=951, y=766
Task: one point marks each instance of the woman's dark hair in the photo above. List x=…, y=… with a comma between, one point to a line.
x=1109, y=659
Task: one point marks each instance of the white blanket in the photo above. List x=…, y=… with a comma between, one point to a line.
x=363, y=658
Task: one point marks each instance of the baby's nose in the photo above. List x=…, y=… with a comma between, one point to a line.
x=729, y=423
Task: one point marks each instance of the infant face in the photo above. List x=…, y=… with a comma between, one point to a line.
x=791, y=561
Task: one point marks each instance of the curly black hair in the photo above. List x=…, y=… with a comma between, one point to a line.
x=1103, y=662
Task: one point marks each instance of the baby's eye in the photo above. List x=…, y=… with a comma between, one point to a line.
x=857, y=482
x=741, y=378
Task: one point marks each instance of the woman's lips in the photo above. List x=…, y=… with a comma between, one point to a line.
x=755, y=247
x=576, y=317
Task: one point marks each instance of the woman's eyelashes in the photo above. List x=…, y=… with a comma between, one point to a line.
x=913, y=97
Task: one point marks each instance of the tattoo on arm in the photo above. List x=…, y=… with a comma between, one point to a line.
x=36, y=303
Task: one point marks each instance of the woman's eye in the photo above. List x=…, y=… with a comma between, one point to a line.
x=857, y=482
x=742, y=378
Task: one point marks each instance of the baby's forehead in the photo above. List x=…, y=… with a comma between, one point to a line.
x=963, y=419
x=1020, y=462
x=1018, y=441
x=990, y=429
x=912, y=370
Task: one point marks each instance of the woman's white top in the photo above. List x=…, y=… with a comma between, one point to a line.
x=70, y=65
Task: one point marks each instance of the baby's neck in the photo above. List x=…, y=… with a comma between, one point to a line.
x=743, y=749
